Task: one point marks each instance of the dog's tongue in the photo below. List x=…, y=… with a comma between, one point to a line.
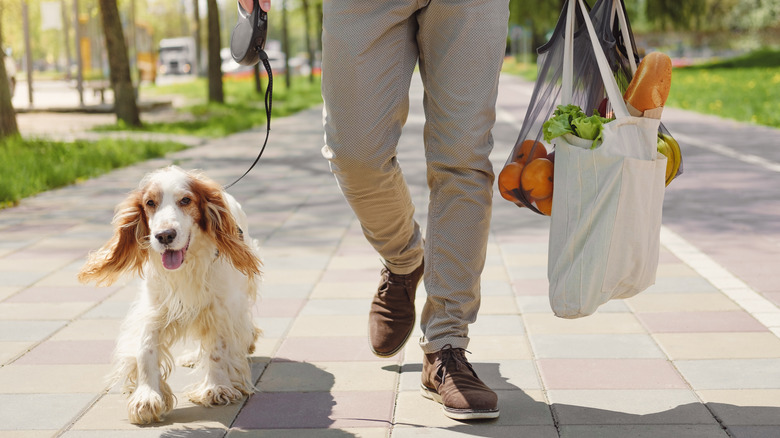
x=173, y=259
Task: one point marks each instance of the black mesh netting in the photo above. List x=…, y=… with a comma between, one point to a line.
x=588, y=87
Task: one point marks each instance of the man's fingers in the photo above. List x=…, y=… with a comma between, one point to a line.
x=247, y=5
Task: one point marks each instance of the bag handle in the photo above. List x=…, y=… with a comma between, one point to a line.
x=567, y=84
x=617, y=9
x=610, y=85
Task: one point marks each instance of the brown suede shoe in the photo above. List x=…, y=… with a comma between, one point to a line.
x=448, y=378
x=391, y=319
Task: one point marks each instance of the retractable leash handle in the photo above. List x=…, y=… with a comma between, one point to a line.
x=247, y=42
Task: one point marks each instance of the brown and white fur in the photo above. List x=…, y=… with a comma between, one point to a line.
x=189, y=242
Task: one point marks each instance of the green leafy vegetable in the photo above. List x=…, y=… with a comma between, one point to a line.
x=570, y=119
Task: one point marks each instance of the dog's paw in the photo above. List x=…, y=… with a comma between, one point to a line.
x=148, y=406
x=216, y=395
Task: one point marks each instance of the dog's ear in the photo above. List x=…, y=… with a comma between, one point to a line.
x=218, y=223
x=125, y=251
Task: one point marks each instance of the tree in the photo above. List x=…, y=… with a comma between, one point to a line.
x=754, y=14
x=309, y=50
x=675, y=13
x=286, y=46
x=125, y=104
x=8, y=126
x=216, y=93
x=198, y=40
x=539, y=16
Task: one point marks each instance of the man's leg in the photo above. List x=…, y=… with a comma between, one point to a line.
x=369, y=55
x=462, y=44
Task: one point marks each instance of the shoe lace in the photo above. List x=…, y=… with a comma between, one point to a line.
x=452, y=359
x=390, y=280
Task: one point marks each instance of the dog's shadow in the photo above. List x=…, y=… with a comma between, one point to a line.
x=291, y=396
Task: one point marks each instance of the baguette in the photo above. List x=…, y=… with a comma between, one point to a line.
x=649, y=87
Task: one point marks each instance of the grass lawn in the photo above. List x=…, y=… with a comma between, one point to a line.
x=28, y=167
x=525, y=70
x=745, y=88
x=243, y=108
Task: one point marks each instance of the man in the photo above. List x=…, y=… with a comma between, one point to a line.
x=370, y=50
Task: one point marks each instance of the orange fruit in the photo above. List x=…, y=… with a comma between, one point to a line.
x=509, y=179
x=528, y=152
x=545, y=205
x=537, y=178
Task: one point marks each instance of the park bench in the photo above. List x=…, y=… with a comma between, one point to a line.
x=98, y=87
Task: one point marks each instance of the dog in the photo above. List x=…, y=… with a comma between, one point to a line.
x=189, y=242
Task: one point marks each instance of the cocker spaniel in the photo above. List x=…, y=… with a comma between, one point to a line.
x=188, y=240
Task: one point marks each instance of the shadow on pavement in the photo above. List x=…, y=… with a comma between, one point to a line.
x=520, y=413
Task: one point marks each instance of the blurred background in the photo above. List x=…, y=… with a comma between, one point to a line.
x=169, y=37
x=135, y=58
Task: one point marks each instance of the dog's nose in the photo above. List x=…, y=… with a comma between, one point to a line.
x=165, y=237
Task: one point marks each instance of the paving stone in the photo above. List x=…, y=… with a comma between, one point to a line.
x=612, y=346
x=40, y=411
x=731, y=373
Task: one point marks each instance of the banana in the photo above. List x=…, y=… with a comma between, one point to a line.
x=671, y=149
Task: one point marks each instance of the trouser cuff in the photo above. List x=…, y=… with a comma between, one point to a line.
x=432, y=346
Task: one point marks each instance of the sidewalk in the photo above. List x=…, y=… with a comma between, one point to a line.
x=696, y=355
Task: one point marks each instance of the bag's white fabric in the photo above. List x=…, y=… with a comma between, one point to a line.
x=607, y=205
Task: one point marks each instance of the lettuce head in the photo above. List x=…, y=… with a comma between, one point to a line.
x=570, y=119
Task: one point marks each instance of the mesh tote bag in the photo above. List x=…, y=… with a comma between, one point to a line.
x=607, y=200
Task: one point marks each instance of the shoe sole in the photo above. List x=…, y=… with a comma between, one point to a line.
x=397, y=349
x=458, y=414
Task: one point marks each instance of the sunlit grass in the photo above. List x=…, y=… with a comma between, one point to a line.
x=29, y=166
x=748, y=94
x=526, y=70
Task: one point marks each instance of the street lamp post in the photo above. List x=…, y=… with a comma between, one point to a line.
x=27, y=50
x=79, y=65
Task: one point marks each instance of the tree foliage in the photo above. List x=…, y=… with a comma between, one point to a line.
x=754, y=14
x=541, y=15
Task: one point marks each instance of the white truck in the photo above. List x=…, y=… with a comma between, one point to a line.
x=177, y=56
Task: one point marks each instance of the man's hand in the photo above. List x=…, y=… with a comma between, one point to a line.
x=248, y=5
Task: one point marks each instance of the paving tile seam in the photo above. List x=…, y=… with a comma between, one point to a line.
x=54, y=271
x=64, y=429
x=763, y=310
x=396, y=393
x=78, y=317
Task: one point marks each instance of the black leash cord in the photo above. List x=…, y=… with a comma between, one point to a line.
x=268, y=103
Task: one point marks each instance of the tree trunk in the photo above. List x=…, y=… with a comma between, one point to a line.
x=307, y=35
x=8, y=126
x=286, y=45
x=216, y=94
x=198, y=39
x=125, y=104
x=258, y=81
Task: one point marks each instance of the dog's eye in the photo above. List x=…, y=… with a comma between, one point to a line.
x=150, y=203
x=185, y=201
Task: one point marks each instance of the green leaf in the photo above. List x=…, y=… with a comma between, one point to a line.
x=556, y=127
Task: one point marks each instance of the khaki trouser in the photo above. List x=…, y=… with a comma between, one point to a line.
x=370, y=48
